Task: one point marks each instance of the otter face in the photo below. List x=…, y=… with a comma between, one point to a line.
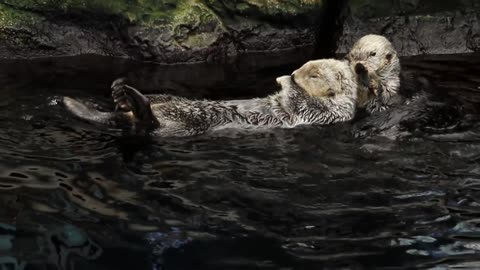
x=323, y=78
x=375, y=52
x=382, y=72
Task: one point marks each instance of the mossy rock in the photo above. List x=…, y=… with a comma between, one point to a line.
x=13, y=18
x=155, y=29
x=18, y=28
x=266, y=7
x=135, y=11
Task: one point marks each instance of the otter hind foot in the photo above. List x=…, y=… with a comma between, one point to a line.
x=127, y=98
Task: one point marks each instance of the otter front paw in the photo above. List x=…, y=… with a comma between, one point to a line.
x=373, y=87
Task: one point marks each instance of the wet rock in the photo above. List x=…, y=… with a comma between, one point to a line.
x=415, y=26
x=165, y=31
x=171, y=31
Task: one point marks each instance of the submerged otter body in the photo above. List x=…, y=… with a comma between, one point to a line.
x=333, y=100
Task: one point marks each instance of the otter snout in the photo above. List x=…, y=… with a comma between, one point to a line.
x=360, y=69
x=293, y=76
x=283, y=81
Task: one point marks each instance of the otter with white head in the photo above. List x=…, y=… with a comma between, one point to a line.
x=411, y=98
x=320, y=92
x=379, y=57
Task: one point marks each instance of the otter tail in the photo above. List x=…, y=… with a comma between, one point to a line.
x=88, y=112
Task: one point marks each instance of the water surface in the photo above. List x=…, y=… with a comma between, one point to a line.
x=77, y=196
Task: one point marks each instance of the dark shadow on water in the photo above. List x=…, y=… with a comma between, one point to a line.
x=77, y=196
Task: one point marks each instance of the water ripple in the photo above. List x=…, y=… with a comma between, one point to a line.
x=79, y=196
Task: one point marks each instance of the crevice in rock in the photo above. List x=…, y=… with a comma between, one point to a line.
x=329, y=28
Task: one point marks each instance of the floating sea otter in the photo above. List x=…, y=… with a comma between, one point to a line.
x=320, y=92
x=409, y=98
x=378, y=56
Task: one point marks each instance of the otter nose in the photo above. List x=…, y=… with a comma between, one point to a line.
x=360, y=68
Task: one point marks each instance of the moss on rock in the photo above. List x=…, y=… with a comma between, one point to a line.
x=154, y=29
x=265, y=7
x=136, y=11
x=17, y=27
x=13, y=18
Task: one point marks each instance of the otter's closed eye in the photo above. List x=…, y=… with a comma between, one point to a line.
x=373, y=53
x=314, y=76
x=330, y=92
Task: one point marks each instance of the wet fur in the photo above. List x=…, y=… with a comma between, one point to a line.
x=290, y=107
x=411, y=99
x=380, y=58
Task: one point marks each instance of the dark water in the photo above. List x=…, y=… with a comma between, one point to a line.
x=76, y=196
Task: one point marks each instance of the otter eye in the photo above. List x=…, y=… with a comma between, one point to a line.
x=330, y=92
x=315, y=76
x=373, y=53
x=389, y=56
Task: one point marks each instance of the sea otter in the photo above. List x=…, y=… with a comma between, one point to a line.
x=379, y=57
x=320, y=92
x=410, y=99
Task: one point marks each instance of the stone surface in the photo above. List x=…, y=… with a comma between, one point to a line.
x=176, y=31
x=164, y=31
x=415, y=26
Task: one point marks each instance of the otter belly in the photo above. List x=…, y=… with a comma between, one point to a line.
x=192, y=117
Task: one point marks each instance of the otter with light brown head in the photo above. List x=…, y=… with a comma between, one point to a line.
x=324, y=78
x=331, y=82
x=320, y=92
x=380, y=58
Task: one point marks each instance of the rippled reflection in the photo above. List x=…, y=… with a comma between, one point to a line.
x=76, y=196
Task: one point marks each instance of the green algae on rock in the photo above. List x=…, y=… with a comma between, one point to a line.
x=155, y=30
x=174, y=31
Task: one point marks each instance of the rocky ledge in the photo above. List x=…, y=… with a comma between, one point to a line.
x=166, y=31
x=415, y=26
x=178, y=31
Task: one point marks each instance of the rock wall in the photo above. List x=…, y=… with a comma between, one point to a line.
x=415, y=26
x=166, y=31
x=176, y=31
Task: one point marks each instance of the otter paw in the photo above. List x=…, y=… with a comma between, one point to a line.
x=120, y=96
x=373, y=86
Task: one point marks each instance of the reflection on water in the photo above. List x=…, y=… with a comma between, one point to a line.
x=76, y=196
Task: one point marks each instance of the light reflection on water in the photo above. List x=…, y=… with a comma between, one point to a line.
x=76, y=196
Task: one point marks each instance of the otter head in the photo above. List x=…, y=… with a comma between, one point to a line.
x=380, y=59
x=325, y=78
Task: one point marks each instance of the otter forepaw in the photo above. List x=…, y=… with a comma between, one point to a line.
x=373, y=87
